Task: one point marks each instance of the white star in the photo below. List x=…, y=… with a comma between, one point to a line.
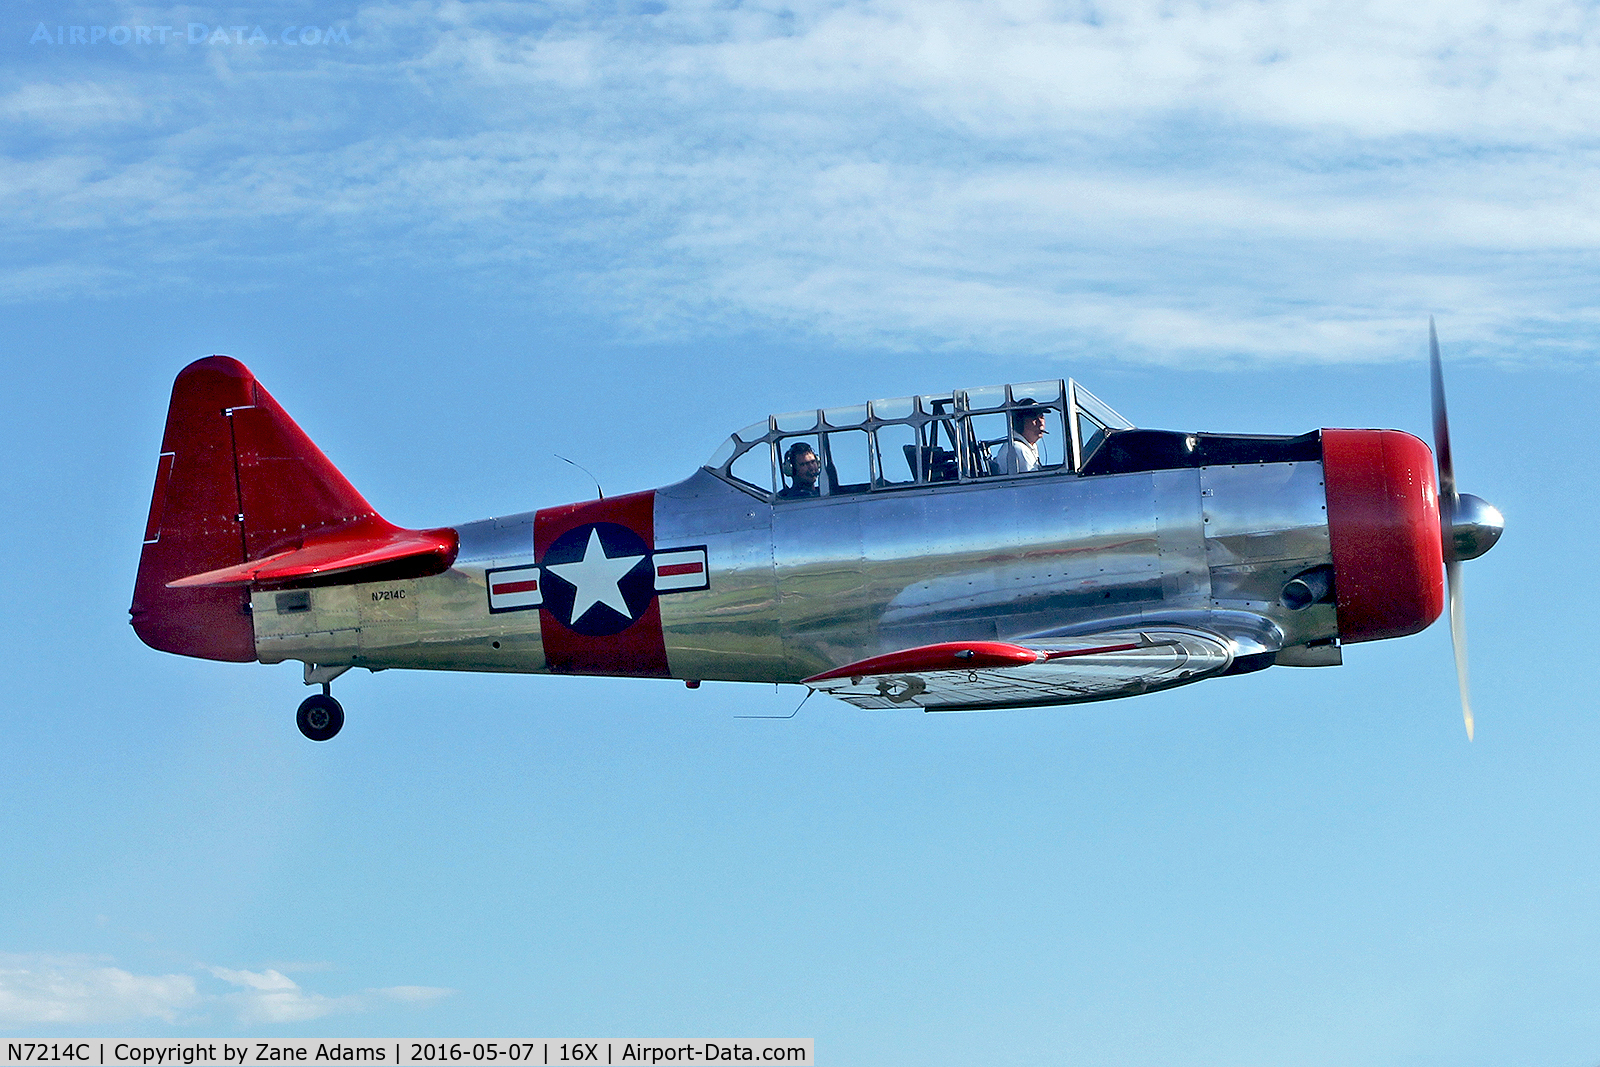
x=595, y=578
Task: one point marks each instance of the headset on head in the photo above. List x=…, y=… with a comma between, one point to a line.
x=795, y=450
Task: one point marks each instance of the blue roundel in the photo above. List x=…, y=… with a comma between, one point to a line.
x=599, y=572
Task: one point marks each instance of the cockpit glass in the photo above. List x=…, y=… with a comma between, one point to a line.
x=854, y=415
x=723, y=453
x=754, y=432
x=984, y=432
x=754, y=468
x=897, y=455
x=1002, y=446
x=1094, y=420
x=800, y=467
x=1102, y=412
x=1090, y=433
x=1040, y=392
x=1054, y=445
x=797, y=421
x=848, y=467
x=986, y=399
x=902, y=407
x=990, y=437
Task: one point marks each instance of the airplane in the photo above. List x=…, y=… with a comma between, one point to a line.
x=936, y=551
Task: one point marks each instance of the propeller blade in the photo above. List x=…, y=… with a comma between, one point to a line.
x=1458, y=638
x=1449, y=502
x=1441, y=435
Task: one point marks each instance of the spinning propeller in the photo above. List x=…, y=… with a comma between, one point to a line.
x=1470, y=526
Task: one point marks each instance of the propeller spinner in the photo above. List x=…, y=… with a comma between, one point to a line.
x=1469, y=525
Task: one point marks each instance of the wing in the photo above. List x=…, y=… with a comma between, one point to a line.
x=978, y=675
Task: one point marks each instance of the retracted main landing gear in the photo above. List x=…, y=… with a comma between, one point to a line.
x=320, y=716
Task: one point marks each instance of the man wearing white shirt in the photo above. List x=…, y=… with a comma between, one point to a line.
x=1021, y=454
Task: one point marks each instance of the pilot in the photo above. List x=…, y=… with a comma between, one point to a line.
x=1021, y=453
x=801, y=464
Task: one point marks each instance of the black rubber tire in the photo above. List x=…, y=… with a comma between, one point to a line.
x=320, y=717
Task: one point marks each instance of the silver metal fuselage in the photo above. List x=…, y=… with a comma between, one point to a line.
x=796, y=587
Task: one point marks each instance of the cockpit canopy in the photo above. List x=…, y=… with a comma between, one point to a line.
x=885, y=445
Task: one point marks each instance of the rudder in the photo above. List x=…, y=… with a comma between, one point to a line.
x=237, y=480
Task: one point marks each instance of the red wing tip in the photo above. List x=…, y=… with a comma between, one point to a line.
x=959, y=656
x=948, y=656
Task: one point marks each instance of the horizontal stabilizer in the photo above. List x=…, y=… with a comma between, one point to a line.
x=371, y=551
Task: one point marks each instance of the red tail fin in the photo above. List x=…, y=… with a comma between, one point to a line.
x=243, y=497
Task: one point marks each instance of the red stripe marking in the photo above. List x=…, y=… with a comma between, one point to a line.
x=516, y=587
x=680, y=568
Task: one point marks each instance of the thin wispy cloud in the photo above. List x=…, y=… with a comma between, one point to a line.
x=1235, y=178
x=41, y=990
x=271, y=997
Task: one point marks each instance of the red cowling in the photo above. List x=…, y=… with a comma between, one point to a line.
x=243, y=496
x=1383, y=523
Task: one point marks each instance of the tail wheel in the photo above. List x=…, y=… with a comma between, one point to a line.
x=320, y=717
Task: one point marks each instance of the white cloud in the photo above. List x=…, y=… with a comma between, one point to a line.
x=271, y=997
x=75, y=104
x=1148, y=176
x=412, y=994
x=42, y=990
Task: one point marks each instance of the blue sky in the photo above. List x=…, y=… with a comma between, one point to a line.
x=462, y=237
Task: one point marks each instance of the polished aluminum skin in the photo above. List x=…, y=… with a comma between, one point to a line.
x=1476, y=526
x=925, y=548
x=1109, y=664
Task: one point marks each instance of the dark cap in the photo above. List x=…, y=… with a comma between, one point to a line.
x=1026, y=408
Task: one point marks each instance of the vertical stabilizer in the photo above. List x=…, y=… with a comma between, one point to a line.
x=236, y=480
